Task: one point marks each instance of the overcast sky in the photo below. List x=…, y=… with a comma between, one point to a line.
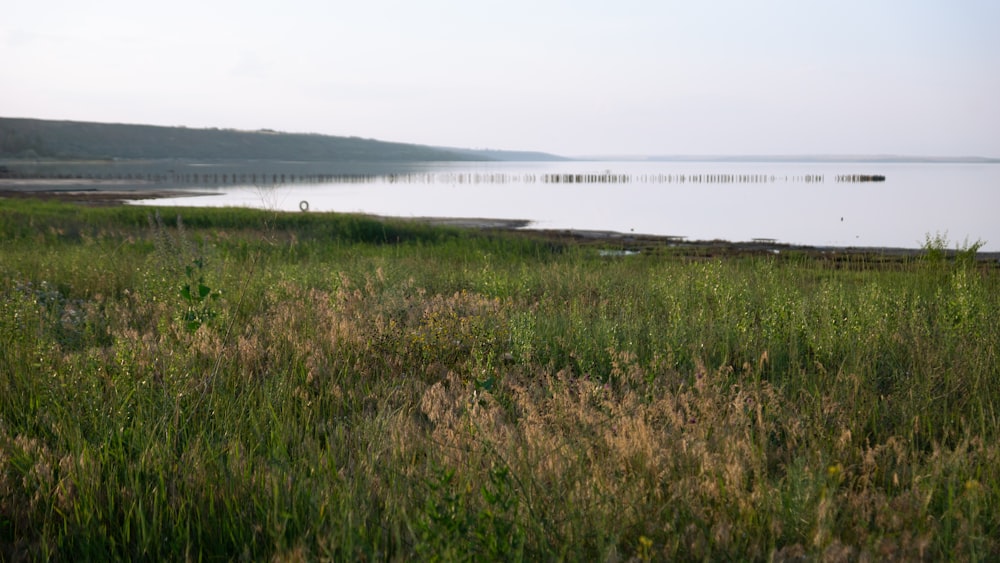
x=573, y=77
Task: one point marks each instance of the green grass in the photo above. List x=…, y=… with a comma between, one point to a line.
x=388, y=390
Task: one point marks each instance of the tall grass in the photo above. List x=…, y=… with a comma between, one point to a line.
x=370, y=390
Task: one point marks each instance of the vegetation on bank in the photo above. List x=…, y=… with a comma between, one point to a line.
x=223, y=383
x=22, y=138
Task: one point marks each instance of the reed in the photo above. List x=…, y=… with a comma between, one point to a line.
x=386, y=390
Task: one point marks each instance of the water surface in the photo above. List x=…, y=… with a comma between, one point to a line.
x=798, y=203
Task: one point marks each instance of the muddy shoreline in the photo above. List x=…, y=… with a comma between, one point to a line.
x=118, y=192
x=88, y=192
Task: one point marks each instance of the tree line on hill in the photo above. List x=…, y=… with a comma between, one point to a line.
x=22, y=138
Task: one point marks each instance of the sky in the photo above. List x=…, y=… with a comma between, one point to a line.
x=575, y=78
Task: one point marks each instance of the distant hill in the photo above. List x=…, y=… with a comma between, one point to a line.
x=510, y=156
x=37, y=138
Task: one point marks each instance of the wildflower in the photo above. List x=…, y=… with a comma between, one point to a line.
x=645, y=551
x=835, y=471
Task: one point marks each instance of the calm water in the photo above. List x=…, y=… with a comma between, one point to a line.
x=798, y=203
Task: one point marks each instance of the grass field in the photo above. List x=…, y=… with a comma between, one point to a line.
x=244, y=384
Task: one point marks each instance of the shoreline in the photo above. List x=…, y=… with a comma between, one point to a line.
x=90, y=192
x=118, y=192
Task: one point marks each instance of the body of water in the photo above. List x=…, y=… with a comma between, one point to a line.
x=819, y=204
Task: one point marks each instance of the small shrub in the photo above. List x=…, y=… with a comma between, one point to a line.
x=199, y=299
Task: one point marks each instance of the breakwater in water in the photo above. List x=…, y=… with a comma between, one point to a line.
x=195, y=177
